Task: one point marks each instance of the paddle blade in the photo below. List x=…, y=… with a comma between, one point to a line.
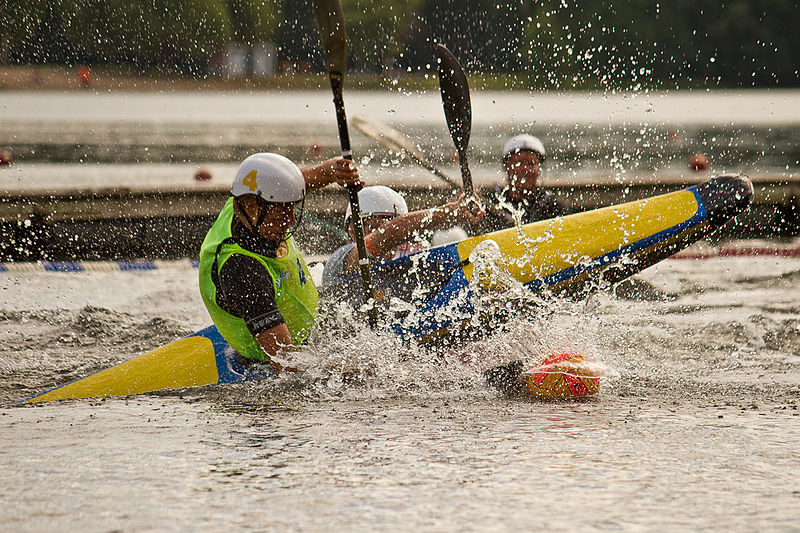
x=455, y=97
x=386, y=136
x=332, y=31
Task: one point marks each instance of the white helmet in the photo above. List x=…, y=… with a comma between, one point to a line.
x=271, y=177
x=378, y=200
x=524, y=142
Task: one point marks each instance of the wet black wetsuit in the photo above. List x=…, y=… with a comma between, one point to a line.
x=542, y=205
x=245, y=288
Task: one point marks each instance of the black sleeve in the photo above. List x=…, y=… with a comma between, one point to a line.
x=247, y=292
x=496, y=218
x=555, y=206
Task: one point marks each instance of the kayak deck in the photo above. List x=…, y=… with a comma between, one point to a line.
x=203, y=358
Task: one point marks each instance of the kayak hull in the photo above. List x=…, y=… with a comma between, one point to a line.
x=203, y=358
x=566, y=256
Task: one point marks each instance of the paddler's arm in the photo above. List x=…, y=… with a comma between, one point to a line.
x=248, y=293
x=402, y=229
x=276, y=342
x=335, y=170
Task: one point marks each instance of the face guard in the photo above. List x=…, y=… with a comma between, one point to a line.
x=263, y=210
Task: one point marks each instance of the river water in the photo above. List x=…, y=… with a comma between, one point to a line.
x=696, y=426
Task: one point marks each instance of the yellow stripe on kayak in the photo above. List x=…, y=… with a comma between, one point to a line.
x=551, y=246
x=188, y=362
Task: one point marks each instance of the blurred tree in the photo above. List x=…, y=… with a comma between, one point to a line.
x=486, y=35
x=298, y=41
x=554, y=43
x=254, y=21
x=377, y=31
x=647, y=42
x=33, y=30
x=20, y=25
x=189, y=32
x=170, y=34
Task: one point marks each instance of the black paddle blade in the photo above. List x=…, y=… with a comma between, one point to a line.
x=455, y=97
x=330, y=18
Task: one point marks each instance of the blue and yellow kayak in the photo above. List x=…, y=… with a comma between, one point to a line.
x=570, y=255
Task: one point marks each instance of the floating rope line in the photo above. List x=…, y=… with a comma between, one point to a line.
x=739, y=251
x=99, y=266
x=114, y=266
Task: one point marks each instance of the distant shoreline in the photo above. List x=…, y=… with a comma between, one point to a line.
x=63, y=77
x=109, y=78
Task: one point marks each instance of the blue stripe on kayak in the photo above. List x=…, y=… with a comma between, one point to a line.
x=62, y=266
x=425, y=322
x=3, y=268
x=136, y=265
x=229, y=369
x=195, y=263
x=431, y=317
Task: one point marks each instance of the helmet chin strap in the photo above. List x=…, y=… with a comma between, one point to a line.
x=253, y=226
x=263, y=207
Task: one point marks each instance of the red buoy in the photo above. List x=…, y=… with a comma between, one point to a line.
x=202, y=174
x=84, y=76
x=698, y=162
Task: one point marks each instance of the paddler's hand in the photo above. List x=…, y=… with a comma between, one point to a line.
x=465, y=210
x=343, y=171
x=279, y=368
x=337, y=169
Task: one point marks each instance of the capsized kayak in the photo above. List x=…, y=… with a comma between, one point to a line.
x=569, y=255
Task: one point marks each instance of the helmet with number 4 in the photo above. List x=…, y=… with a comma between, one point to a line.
x=271, y=177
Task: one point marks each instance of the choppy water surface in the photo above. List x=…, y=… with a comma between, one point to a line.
x=697, y=425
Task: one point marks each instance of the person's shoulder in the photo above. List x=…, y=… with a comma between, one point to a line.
x=334, y=266
x=552, y=200
x=241, y=266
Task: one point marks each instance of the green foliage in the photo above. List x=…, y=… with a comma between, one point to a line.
x=254, y=21
x=649, y=43
x=558, y=44
x=21, y=20
x=376, y=30
x=188, y=32
x=170, y=34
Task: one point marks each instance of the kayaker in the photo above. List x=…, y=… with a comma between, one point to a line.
x=523, y=159
x=389, y=228
x=253, y=279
